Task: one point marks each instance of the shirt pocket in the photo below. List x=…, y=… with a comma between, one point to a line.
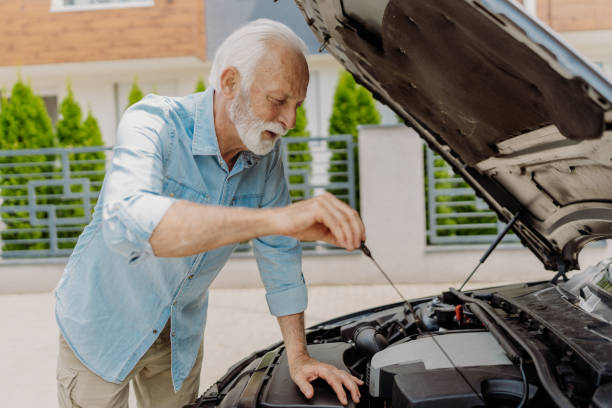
x=176, y=189
x=252, y=200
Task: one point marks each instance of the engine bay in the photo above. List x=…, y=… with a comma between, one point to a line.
x=485, y=348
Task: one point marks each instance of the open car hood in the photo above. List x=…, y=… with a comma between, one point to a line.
x=524, y=119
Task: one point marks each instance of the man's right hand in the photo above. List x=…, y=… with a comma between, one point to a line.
x=322, y=218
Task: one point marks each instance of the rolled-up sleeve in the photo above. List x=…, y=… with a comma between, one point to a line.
x=132, y=200
x=279, y=258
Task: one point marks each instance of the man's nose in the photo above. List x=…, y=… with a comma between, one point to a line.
x=287, y=117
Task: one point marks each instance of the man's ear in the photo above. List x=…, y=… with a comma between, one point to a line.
x=230, y=82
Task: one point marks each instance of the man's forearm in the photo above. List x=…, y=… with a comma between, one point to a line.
x=189, y=228
x=292, y=329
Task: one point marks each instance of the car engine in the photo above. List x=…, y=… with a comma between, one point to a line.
x=435, y=352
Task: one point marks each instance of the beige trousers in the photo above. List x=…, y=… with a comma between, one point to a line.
x=78, y=387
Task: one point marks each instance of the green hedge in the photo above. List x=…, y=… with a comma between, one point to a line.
x=24, y=124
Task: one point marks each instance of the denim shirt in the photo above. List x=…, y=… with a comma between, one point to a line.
x=115, y=295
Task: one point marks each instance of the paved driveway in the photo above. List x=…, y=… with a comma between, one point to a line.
x=238, y=323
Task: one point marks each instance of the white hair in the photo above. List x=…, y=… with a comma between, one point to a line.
x=245, y=46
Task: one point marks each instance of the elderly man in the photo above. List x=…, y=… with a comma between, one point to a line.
x=191, y=178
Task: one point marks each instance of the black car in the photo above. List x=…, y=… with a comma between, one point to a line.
x=528, y=124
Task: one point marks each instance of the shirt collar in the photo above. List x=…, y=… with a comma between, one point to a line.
x=205, y=141
x=204, y=136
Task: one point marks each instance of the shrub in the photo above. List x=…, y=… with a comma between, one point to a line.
x=24, y=124
x=68, y=127
x=135, y=93
x=344, y=110
x=73, y=132
x=200, y=86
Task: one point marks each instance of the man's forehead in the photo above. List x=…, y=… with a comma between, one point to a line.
x=284, y=63
x=283, y=93
x=285, y=73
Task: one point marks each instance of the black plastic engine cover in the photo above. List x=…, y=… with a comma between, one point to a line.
x=280, y=391
x=446, y=388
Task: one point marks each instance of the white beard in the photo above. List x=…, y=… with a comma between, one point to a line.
x=250, y=127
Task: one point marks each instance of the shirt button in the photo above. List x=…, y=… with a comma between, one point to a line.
x=171, y=194
x=154, y=331
x=190, y=277
x=174, y=303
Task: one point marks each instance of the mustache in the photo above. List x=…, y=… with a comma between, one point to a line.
x=275, y=128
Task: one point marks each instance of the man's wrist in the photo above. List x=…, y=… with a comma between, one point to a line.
x=275, y=221
x=292, y=328
x=297, y=355
x=269, y=221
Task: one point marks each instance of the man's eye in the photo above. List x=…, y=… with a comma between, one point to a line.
x=276, y=101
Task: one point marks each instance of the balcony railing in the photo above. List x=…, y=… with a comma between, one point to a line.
x=48, y=195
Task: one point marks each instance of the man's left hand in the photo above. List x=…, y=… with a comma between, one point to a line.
x=305, y=369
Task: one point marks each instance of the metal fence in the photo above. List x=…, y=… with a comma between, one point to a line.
x=47, y=198
x=48, y=194
x=455, y=215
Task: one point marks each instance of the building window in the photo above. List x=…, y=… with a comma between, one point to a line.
x=51, y=106
x=88, y=5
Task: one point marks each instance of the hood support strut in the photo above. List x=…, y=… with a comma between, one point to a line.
x=562, y=269
x=501, y=235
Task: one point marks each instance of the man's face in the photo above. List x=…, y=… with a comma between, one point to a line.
x=266, y=111
x=251, y=128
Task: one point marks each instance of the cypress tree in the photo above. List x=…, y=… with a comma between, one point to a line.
x=68, y=128
x=92, y=136
x=299, y=154
x=367, y=114
x=200, y=86
x=91, y=129
x=73, y=132
x=343, y=117
x=24, y=124
x=135, y=93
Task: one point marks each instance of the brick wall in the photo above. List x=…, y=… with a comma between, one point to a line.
x=31, y=34
x=576, y=15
